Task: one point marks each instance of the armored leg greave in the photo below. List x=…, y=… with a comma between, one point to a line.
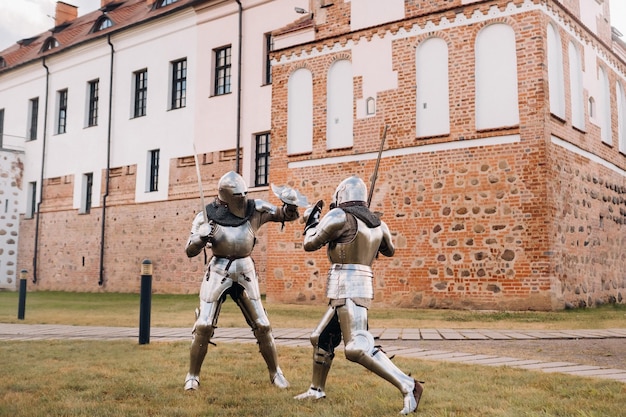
x=199, y=345
x=267, y=347
x=322, y=361
x=360, y=348
x=256, y=317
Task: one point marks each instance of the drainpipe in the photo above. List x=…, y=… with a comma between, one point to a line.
x=107, y=178
x=237, y=156
x=43, y=159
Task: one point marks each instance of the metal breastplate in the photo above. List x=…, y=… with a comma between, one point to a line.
x=233, y=242
x=360, y=250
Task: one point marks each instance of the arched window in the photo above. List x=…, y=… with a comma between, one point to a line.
x=49, y=43
x=370, y=106
x=576, y=87
x=621, y=117
x=300, y=112
x=604, y=108
x=496, y=78
x=163, y=3
x=103, y=22
x=555, y=73
x=432, y=95
x=339, y=106
x=591, y=108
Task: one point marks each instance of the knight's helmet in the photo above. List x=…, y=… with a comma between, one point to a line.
x=351, y=189
x=232, y=190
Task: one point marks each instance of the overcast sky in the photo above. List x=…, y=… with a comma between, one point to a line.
x=21, y=19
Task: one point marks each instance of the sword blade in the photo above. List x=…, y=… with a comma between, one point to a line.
x=195, y=158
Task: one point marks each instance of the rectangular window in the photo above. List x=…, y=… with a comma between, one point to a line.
x=31, y=202
x=222, y=70
x=269, y=44
x=62, y=112
x=141, y=93
x=153, y=170
x=1, y=128
x=179, y=84
x=262, y=161
x=85, y=205
x=92, y=119
x=33, y=110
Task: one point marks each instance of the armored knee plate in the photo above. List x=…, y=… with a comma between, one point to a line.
x=362, y=343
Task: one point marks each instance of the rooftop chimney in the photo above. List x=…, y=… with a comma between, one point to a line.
x=65, y=13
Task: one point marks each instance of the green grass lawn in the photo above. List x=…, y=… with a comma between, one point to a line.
x=113, y=309
x=89, y=378
x=123, y=378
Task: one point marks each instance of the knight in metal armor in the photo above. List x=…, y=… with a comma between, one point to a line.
x=227, y=227
x=354, y=236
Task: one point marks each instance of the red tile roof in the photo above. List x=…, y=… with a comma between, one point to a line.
x=128, y=13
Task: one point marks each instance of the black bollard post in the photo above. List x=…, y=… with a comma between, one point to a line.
x=21, y=308
x=145, y=302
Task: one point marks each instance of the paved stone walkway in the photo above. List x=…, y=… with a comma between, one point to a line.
x=300, y=338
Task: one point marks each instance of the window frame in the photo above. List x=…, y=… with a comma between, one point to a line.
x=268, y=47
x=162, y=3
x=153, y=170
x=140, y=99
x=104, y=22
x=33, y=118
x=1, y=128
x=62, y=96
x=223, y=70
x=86, y=201
x=93, y=88
x=262, y=142
x=31, y=202
x=178, y=99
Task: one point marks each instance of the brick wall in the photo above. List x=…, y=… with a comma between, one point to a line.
x=69, y=243
x=495, y=227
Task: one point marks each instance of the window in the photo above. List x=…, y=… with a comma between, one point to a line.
x=85, y=205
x=163, y=3
x=1, y=128
x=179, y=84
x=555, y=73
x=31, y=202
x=102, y=23
x=92, y=119
x=261, y=176
x=576, y=87
x=621, y=117
x=62, y=112
x=3, y=62
x=141, y=93
x=604, y=108
x=370, y=106
x=153, y=170
x=497, y=103
x=269, y=44
x=33, y=110
x=50, y=43
x=300, y=112
x=433, y=94
x=339, y=104
x=222, y=70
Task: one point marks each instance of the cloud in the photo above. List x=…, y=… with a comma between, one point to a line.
x=23, y=19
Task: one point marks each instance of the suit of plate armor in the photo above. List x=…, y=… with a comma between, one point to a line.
x=354, y=236
x=230, y=234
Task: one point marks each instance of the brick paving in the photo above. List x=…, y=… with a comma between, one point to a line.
x=300, y=338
